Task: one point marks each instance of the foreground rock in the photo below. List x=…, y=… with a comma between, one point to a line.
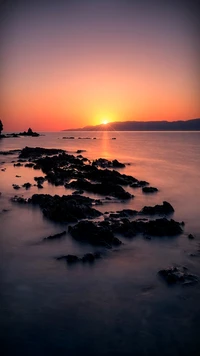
x=94, y=233
x=178, y=275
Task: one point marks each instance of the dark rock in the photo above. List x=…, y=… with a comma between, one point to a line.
x=94, y=233
x=38, y=151
x=18, y=176
x=40, y=186
x=127, y=212
x=190, y=236
x=100, y=188
x=69, y=258
x=29, y=133
x=29, y=165
x=91, y=257
x=16, y=186
x=11, y=152
x=56, y=236
x=80, y=151
x=164, y=209
x=104, y=163
x=149, y=189
x=159, y=227
x=67, y=208
x=139, y=184
x=19, y=200
x=78, y=192
x=40, y=179
x=27, y=185
x=68, y=138
x=179, y=275
x=18, y=164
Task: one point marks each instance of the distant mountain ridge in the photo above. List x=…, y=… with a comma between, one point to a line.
x=189, y=125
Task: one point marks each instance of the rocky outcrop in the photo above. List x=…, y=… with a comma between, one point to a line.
x=164, y=209
x=105, y=163
x=68, y=208
x=33, y=152
x=178, y=275
x=94, y=233
x=108, y=188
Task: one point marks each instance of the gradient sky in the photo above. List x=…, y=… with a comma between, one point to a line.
x=68, y=64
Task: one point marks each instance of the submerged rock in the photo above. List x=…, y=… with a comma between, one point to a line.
x=149, y=189
x=56, y=236
x=180, y=275
x=88, y=257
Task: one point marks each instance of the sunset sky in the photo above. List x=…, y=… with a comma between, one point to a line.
x=68, y=64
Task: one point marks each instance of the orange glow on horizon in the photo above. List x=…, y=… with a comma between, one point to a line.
x=73, y=68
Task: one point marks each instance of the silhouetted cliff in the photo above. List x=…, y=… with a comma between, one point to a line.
x=189, y=125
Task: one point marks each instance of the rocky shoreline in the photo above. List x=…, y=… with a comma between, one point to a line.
x=90, y=225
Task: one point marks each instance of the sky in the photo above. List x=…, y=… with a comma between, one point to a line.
x=68, y=64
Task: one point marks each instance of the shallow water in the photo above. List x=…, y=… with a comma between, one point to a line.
x=119, y=305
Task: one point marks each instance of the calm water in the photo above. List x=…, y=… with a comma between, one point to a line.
x=119, y=305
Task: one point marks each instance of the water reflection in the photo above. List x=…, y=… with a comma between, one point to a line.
x=105, y=145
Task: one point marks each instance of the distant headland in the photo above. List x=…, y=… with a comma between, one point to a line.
x=29, y=133
x=189, y=125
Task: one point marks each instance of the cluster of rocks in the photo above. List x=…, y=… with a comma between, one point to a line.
x=99, y=177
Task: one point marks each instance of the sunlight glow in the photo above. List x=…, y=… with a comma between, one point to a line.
x=104, y=122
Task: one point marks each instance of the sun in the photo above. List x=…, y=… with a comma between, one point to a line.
x=104, y=122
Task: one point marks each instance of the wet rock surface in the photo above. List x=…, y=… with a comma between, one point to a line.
x=31, y=152
x=68, y=208
x=164, y=209
x=94, y=233
x=105, y=163
x=149, y=190
x=178, y=275
x=99, y=177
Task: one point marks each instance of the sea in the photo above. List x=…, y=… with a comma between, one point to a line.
x=118, y=305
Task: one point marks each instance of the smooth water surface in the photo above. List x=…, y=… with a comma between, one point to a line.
x=119, y=305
